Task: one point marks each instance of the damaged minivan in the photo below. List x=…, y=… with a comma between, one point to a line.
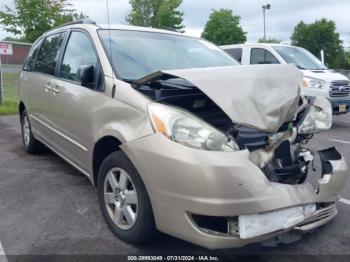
x=177, y=137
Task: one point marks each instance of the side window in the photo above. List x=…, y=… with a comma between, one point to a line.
x=257, y=56
x=79, y=51
x=236, y=53
x=270, y=58
x=29, y=63
x=262, y=56
x=48, y=54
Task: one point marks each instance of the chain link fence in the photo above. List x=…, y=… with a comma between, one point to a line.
x=10, y=82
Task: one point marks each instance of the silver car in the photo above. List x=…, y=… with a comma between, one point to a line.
x=177, y=138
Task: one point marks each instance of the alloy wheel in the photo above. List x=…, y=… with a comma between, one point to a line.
x=26, y=130
x=120, y=198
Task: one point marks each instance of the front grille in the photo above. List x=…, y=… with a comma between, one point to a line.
x=340, y=89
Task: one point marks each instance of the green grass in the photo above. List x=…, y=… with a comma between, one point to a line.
x=10, y=80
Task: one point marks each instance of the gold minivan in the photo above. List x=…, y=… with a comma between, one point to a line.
x=177, y=137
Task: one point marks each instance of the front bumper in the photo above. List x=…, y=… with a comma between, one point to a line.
x=182, y=181
x=336, y=106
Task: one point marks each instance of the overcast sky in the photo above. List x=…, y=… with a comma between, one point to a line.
x=280, y=20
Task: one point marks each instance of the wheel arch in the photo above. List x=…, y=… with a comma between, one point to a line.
x=21, y=108
x=105, y=146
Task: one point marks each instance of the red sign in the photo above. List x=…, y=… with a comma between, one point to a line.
x=6, y=49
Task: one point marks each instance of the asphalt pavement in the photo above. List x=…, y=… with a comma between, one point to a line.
x=47, y=207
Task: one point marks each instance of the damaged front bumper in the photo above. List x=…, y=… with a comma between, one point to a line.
x=200, y=196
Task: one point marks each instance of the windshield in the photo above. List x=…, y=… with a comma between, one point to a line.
x=136, y=54
x=302, y=58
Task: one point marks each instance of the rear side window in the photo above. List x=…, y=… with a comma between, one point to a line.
x=262, y=56
x=48, y=55
x=79, y=51
x=29, y=64
x=236, y=53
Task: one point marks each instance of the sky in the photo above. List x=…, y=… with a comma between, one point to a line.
x=280, y=19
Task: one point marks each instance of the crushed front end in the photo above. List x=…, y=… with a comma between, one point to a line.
x=202, y=196
x=254, y=186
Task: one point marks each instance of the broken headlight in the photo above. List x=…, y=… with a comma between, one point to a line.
x=186, y=129
x=318, y=118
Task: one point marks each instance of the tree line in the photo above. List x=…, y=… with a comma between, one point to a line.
x=29, y=19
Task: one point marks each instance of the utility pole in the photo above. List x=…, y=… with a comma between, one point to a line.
x=264, y=7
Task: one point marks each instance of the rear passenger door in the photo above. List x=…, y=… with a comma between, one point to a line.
x=73, y=103
x=41, y=68
x=262, y=56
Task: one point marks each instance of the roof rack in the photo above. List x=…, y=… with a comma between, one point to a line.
x=82, y=21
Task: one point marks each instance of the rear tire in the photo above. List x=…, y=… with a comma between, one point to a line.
x=31, y=145
x=124, y=200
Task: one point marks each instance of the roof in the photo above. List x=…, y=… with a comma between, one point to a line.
x=89, y=24
x=139, y=28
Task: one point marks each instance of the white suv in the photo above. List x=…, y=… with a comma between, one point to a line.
x=318, y=80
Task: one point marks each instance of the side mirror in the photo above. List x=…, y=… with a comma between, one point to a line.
x=86, y=75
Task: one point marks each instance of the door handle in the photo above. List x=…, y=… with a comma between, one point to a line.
x=48, y=87
x=56, y=90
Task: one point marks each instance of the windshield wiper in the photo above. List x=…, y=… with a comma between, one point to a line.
x=300, y=67
x=130, y=81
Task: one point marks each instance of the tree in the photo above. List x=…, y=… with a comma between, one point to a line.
x=269, y=41
x=156, y=13
x=31, y=18
x=317, y=36
x=346, y=61
x=223, y=28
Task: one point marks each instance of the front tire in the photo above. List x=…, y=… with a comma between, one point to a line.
x=124, y=201
x=31, y=145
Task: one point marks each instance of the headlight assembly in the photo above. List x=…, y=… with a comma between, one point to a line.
x=310, y=82
x=186, y=129
x=319, y=118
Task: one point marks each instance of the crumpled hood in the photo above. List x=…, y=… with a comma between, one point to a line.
x=260, y=96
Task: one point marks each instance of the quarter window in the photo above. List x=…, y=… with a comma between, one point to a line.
x=262, y=56
x=48, y=54
x=79, y=51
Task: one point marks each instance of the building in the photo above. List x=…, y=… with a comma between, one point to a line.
x=20, y=51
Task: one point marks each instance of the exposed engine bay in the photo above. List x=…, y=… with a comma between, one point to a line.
x=283, y=156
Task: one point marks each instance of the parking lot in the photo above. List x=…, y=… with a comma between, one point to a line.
x=47, y=207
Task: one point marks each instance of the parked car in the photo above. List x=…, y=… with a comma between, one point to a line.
x=178, y=138
x=318, y=80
